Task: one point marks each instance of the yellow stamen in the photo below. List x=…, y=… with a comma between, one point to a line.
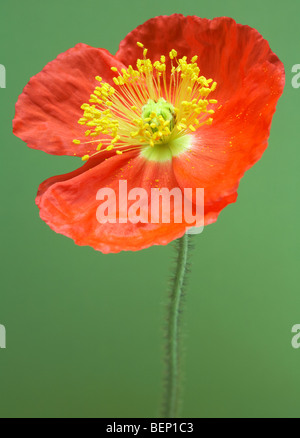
x=173, y=54
x=118, y=116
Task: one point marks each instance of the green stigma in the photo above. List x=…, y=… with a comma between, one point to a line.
x=161, y=116
x=161, y=108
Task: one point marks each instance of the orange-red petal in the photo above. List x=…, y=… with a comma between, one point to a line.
x=49, y=108
x=238, y=136
x=68, y=204
x=227, y=52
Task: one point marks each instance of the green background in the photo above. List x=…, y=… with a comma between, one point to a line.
x=84, y=330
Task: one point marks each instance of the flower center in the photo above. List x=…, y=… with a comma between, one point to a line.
x=161, y=116
x=148, y=109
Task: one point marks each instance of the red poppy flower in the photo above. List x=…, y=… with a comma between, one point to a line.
x=185, y=103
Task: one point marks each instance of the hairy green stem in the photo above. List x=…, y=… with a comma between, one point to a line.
x=172, y=387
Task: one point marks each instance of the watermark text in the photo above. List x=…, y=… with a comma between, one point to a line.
x=296, y=77
x=156, y=206
x=296, y=338
x=2, y=76
x=2, y=336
